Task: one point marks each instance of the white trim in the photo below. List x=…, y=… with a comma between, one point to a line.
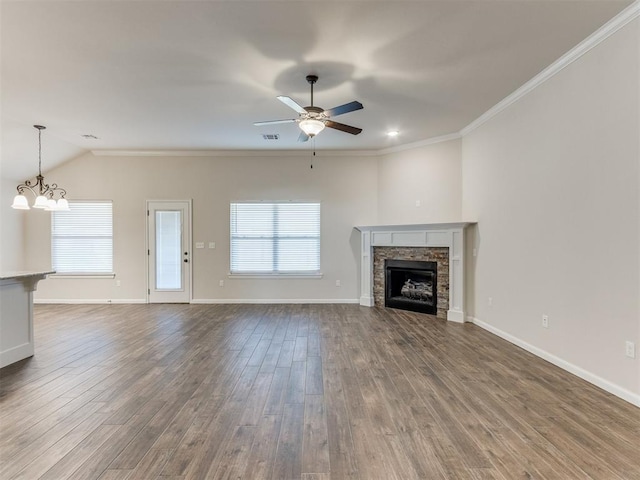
x=593, y=40
x=455, y=316
x=15, y=354
x=188, y=245
x=265, y=301
x=367, y=301
x=89, y=301
x=278, y=276
x=82, y=275
x=413, y=227
x=233, y=153
x=277, y=153
x=620, y=392
x=422, y=143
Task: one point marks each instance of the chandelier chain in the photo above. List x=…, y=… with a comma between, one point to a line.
x=39, y=151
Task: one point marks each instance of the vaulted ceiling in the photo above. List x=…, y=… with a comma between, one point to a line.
x=195, y=75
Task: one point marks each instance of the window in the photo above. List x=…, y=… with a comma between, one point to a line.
x=82, y=239
x=272, y=238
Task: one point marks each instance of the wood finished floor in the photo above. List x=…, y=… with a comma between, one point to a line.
x=305, y=392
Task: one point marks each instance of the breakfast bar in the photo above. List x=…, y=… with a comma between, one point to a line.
x=16, y=314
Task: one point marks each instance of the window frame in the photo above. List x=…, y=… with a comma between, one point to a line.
x=301, y=274
x=83, y=274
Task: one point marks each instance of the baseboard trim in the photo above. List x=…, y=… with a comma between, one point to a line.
x=232, y=301
x=367, y=301
x=456, y=316
x=606, y=385
x=203, y=301
x=89, y=301
x=16, y=354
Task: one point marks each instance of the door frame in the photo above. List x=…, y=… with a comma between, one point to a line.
x=188, y=241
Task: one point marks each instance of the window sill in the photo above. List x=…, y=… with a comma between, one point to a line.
x=279, y=276
x=82, y=275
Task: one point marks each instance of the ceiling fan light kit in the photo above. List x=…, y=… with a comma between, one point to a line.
x=312, y=120
x=311, y=126
x=44, y=194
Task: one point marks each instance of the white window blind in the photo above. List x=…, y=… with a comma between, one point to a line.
x=82, y=238
x=275, y=238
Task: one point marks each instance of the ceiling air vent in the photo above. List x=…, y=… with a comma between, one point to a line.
x=271, y=136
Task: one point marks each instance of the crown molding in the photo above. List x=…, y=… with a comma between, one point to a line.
x=612, y=26
x=421, y=143
x=233, y=153
x=275, y=153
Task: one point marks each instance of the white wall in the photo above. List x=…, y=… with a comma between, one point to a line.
x=346, y=187
x=11, y=229
x=554, y=183
x=431, y=175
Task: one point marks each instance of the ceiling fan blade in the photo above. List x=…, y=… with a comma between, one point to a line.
x=273, y=122
x=342, y=127
x=289, y=102
x=346, y=108
x=303, y=137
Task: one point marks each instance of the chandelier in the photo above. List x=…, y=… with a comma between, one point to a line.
x=44, y=194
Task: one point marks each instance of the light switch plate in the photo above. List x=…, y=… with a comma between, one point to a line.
x=212, y=244
x=199, y=244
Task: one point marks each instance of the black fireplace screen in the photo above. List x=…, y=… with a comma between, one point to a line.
x=411, y=285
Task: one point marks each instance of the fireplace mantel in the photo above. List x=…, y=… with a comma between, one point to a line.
x=449, y=235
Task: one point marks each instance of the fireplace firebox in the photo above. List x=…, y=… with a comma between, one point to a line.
x=411, y=285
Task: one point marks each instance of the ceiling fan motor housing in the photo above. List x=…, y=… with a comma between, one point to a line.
x=314, y=112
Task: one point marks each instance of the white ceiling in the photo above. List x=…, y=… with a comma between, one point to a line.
x=183, y=75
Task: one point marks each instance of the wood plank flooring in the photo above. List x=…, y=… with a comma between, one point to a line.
x=305, y=392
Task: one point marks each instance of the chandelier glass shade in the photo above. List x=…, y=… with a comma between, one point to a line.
x=44, y=193
x=311, y=126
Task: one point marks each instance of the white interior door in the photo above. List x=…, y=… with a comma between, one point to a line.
x=169, y=251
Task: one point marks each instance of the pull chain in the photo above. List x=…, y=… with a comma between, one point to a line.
x=313, y=147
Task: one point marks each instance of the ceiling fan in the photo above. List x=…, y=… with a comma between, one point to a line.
x=312, y=120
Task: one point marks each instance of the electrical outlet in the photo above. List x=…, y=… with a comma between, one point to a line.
x=222, y=283
x=118, y=283
x=338, y=284
x=630, y=349
x=545, y=321
x=475, y=252
x=212, y=244
x=490, y=301
x=418, y=203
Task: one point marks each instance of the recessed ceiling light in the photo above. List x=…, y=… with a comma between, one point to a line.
x=393, y=133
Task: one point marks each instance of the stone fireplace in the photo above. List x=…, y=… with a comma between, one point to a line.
x=439, y=256
x=442, y=244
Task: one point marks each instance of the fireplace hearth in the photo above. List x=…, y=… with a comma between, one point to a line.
x=411, y=285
